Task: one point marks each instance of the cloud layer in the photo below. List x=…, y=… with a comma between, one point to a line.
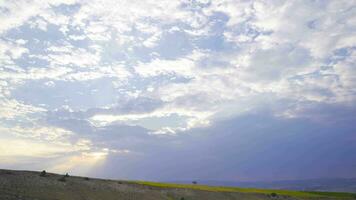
x=121, y=85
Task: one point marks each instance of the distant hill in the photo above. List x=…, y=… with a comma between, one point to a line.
x=29, y=185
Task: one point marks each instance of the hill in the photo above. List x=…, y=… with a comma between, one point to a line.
x=29, y=185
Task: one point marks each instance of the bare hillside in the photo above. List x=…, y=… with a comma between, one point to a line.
x=26, y=185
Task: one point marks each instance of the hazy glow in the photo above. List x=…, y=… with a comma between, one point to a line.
x=82, y=163
x=30, y=148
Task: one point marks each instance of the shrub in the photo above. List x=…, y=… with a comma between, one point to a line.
x=86, y=178
x=182, y=198
x=67, y=175
x=194, y=182
x=43, y=173
x=273, y=194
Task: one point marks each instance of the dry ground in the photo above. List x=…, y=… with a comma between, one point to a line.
x=27, y=185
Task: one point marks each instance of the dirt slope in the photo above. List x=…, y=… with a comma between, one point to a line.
x=26, y=185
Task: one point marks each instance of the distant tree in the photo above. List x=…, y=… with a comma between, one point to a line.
x=43, y=173
x=67, y=175
x=194, y=182
x=86, y=178
x=273, y=194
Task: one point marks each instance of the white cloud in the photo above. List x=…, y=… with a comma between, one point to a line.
x=181, y=67
x=346, y=73
x=10, y=109
x=69, y=56
x=192, y=118
x=234, y=57
x=41, y=132
x=17, y=13
x=10, y=50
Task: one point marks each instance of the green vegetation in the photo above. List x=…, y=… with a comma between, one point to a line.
x=273, y=193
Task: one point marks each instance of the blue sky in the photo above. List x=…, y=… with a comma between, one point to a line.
x=168, y=90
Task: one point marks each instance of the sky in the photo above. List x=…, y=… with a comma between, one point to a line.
x=238, y=90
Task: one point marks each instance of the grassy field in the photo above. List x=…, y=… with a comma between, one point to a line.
x=28, y=185
x=302, y=194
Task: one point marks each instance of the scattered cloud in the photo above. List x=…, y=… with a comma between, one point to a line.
x=92, y=80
